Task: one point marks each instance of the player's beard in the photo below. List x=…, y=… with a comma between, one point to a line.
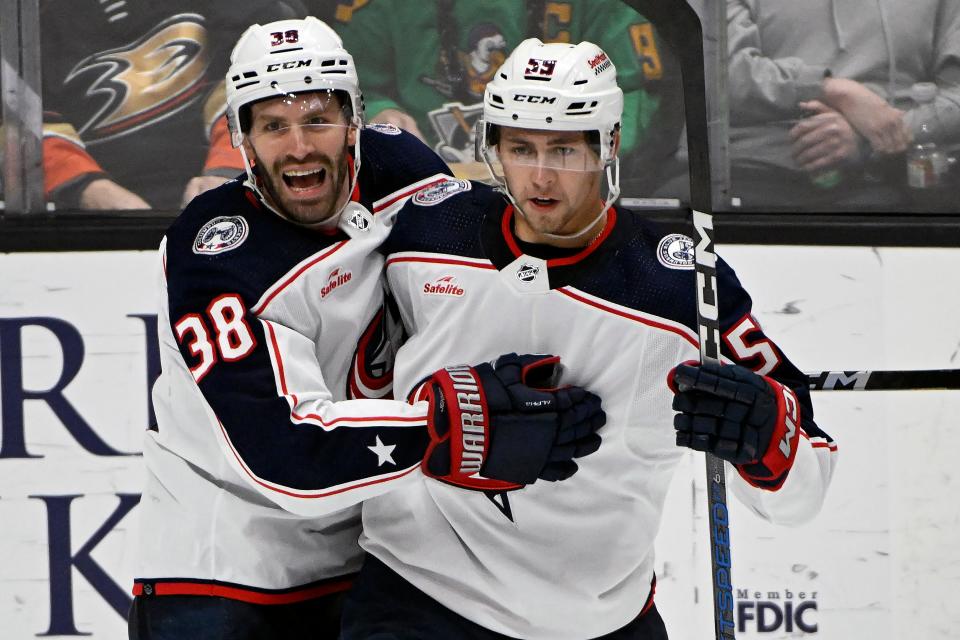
x=316, y=211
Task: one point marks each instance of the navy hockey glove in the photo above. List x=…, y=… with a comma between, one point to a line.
x=499, y=426
x=749, y=420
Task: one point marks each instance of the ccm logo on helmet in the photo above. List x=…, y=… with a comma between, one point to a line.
x=533, y=99
x=292, y=64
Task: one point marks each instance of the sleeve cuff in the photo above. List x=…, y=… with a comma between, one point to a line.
x=810, y=83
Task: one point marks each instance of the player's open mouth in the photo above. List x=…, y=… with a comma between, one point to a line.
x=299, y=180
x=543, y=203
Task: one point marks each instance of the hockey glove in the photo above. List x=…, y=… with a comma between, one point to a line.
x=499, y=426
x=749, y=420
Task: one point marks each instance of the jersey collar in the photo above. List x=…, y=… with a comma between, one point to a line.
x=506, y=228
x=502, y=248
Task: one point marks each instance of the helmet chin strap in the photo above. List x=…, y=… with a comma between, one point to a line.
x=332, y=220
x=613, y=192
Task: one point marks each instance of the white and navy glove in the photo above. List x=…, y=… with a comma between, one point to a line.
x=502, y=425
x=747, y=419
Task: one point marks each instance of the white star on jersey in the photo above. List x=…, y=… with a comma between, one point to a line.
x=384, y=452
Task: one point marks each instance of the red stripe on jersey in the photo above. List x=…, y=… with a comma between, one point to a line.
x=403, y=194
x=590, y=248
x=507, y=229
x=649, y=603
x=629, y=316
x=459, y=263
x=240, y=593
x=276, y=350
x=351, y=419
x=355, y=194
x=359, y=369
x=299, y=272
x=321, y=494
x=313, y=416
x=820, y=444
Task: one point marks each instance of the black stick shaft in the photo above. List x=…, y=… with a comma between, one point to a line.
x=708, y=325
x=884, y=380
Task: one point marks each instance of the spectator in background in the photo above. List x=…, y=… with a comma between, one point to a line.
x=821, y=105
x=425, y=65
x=134, y=99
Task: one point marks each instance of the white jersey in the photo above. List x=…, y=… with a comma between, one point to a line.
x=572, y=559
x=272, y=422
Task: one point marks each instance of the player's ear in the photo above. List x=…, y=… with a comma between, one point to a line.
x=352, y=134
x=248, y=150
x=616, y=143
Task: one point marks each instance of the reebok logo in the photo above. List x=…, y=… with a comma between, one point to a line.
x=445, y=286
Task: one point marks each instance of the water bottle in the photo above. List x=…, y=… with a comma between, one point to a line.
x=828, y=177
x=926, y=164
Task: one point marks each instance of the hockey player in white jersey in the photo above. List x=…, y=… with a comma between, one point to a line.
x=544, y=263
x=273, y=414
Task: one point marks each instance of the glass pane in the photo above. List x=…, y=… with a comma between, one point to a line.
x=423, y=66
x=134, y=99
x=844, y=106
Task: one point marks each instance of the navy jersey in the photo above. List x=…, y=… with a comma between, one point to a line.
x=572, y=559
x=272, y=409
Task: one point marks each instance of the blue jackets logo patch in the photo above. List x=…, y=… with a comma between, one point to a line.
x=221, y=234
x=675, y=251
x=437, y=193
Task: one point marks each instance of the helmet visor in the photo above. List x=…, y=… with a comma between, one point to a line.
x=314, y=115
x=515, y=148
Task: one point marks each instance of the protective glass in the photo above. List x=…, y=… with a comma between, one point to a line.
x=558, y=151
x=317, y=116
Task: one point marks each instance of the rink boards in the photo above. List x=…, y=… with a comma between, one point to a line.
x=76, y=357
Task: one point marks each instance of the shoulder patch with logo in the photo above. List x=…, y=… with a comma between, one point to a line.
x=385, y=127
x=437, y=193
x=221, y=234
x=675, y=251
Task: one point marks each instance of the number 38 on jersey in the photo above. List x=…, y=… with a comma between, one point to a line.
x=231, y=338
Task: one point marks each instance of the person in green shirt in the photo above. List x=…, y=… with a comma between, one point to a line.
x=425, y=65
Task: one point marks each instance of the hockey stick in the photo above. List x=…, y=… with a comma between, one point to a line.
x=679, y=24
x=680, y=27
x=884, y=380
x=708, y=326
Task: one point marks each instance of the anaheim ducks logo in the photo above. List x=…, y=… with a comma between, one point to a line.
x=146, y=80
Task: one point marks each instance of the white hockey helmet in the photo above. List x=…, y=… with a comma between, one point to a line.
x=557, y=86
x=288, y=57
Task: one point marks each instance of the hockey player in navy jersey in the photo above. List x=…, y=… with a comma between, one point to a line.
x=273, y=410
x=543, y=263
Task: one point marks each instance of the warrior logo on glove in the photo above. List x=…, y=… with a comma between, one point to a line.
x=500, y=426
